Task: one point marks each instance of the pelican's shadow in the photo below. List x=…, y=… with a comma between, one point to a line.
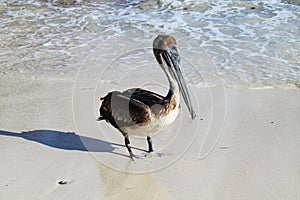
x=65, y=140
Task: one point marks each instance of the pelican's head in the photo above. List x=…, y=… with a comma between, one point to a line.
x=166, y=53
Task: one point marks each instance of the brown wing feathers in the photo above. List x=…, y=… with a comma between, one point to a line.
x=121, y=110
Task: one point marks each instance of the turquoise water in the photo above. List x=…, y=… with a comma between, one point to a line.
x=252, y=44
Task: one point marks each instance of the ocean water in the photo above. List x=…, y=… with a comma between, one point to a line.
x=243, y=44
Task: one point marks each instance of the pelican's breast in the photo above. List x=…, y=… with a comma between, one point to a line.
x=161, y=117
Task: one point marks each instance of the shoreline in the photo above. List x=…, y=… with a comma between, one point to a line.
x=220, y=84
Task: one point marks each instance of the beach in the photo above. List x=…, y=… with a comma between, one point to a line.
x=240, y=60
x=251, y=151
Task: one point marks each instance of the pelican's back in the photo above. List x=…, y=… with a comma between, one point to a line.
x=122, y=111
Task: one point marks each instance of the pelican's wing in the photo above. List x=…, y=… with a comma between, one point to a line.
x=122, y=111
x=145, y=96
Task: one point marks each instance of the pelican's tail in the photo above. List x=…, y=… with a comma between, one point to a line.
x=105, y=108
x=100, y=118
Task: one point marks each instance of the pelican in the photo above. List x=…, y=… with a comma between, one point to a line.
x=139, y=112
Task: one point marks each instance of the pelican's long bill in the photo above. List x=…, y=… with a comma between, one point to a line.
x=172, y=59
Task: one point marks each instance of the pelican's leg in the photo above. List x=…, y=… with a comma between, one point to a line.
x=127, y=142
x=149, y=144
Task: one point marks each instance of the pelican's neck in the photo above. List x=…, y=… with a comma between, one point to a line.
x=173, y=90
x=173, y=86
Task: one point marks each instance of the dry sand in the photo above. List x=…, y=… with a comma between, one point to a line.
x=244, y=144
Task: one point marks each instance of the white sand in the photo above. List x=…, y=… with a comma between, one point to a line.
x=246, y=146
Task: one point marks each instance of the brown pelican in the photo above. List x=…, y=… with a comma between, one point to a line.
x=141, y=112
